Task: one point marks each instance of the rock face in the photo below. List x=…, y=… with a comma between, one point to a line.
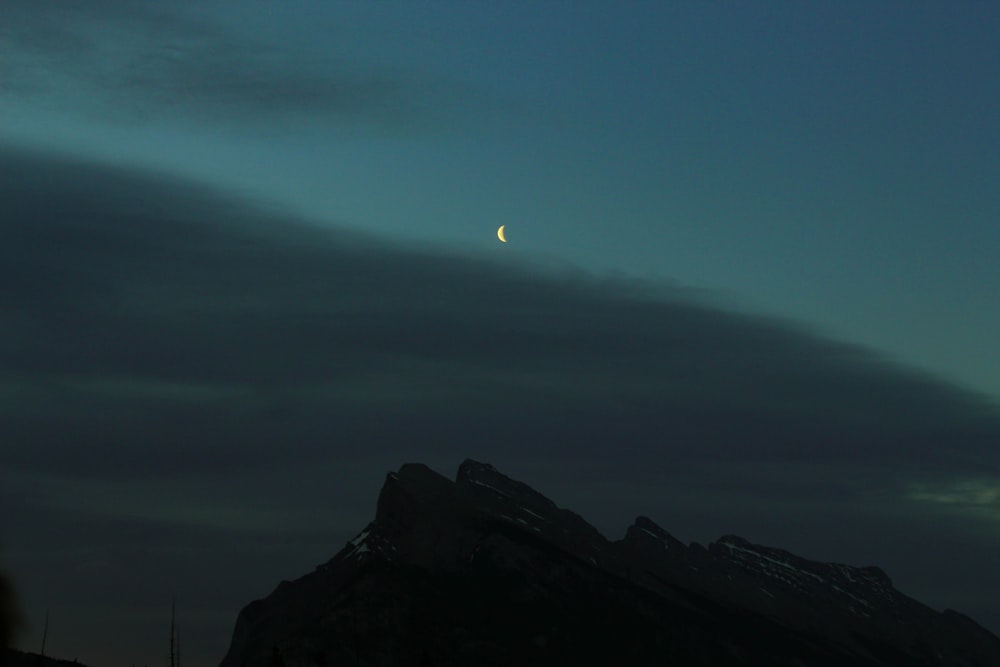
x=486, y=571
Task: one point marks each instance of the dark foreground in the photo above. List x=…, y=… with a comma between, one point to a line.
x=15, y=658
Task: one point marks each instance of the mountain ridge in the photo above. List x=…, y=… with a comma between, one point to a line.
x=486, y=570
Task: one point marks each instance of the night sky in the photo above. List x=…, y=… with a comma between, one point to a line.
x=249, y=265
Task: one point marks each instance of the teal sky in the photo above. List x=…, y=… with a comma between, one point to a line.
x=831, y=163
x=200, y=395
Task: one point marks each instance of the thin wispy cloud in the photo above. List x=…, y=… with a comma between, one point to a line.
x=145, y=60
x=976, y=495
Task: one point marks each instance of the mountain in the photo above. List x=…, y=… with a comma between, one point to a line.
x=486, y=571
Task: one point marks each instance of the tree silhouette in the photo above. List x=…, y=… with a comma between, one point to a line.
x=45, y=634
x=175, y=637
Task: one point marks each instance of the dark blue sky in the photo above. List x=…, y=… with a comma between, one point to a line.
x=750, y=285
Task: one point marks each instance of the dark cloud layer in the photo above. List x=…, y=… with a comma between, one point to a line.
x=111, y=280
x=140, y=60
x=184, y=370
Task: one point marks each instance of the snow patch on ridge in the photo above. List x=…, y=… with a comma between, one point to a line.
x=662, y=540
x=492, y=488
x=733, y=547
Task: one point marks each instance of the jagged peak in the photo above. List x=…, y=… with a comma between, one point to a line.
x=484, y=475
x=426, y=523
x=733, y=547
x=875, y=572
x=644, y=528
x=647, y=523
x=500, y=496
x=470, y=465
x=417, y=472
x=735, y=542
x=419, y=480
x=412, y=493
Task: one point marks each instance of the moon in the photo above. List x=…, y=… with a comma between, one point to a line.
x=500, y=233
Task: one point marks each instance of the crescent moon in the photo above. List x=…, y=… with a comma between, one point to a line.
x=500, y=233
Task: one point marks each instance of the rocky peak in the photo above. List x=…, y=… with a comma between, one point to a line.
x=858, y=591
x=475, y=479
x=761, y=559
x=478, y=555
x=499, y=497
x=413, y=494
x=645, y=530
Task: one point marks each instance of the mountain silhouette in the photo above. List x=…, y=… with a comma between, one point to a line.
x=486, y=571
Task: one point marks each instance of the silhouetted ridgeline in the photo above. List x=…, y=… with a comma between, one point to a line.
x=17, y=658
x=485, y=571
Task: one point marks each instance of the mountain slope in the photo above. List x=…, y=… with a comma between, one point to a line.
x=487, y=571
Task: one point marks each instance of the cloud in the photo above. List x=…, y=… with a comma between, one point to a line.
x=176, y=360
x=142, y=60
x=156, y=301
x=976, y=495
